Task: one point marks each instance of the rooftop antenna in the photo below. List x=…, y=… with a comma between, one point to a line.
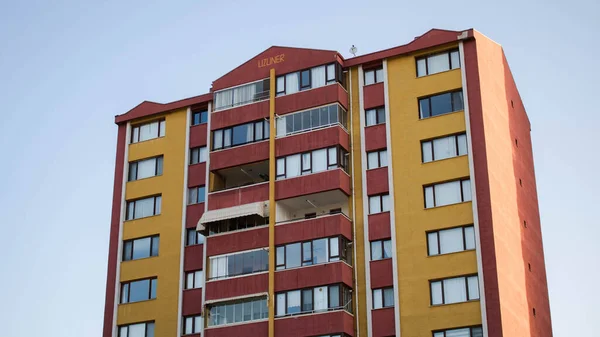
x=353, y=50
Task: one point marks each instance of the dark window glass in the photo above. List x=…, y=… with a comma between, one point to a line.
x=141, y=248
x=306, y=120
x=324, y=112
x=247, y=311
x=292, y=255
x=380, y=115
x=334, y=296
x=305, y=79
x=424, y=107
x=306, y=253
x=297, y=122
x=307, y=300
x=320, y=251
x=314, y=117
x=127, y=250
x=199, y=117
x=440, y=104
x=242, y=134
x=457, y=101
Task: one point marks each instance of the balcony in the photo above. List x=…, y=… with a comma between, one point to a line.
x=374, y=95
x=316, y=183
x=377, y=181
x=192, y=302
x=318, y=324
x=309, y=229
x=236, y=241
x=237, y=286
x=379, y=226
x=381, y=273
x=312, y=140
x=311, y=98
x=197, y=175
x=250, y=329
x=193, y=258
x=313, y=276
x=383, y=322
x=198, y=135
x=239, y=155
x=239, y=115
x=238, y=196
x=375, y=137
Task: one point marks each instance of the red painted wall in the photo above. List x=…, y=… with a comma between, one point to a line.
x=314, y=140
x=511, y=290
x=192, y=302
x=311, y=229
x=379, y=226
x=238, y=196
x=381, y=274
x=311, y=98
x=193, y=214
x=375, y=137
x=238, y=286
x=239, y=155
x=373, y=95
x=312, y=183
x=237, y=241
x=193, y=258
x=198, y=135
x=197, y=175
x=383, y=322
x=245, y=330
x=315, y=325
x=313, y=276
x=113, y=246
x=377, y=181
x=239, y=115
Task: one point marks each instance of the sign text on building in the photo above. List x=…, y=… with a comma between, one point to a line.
x=271, y=60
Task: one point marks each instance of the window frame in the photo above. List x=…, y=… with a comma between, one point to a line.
x=341, y=288
x=126, y=254
x=194, y=277
x=426, y=57
x=456, y=144
x=196, y=241
x=380, y=202
x=198, y=149
x=158, y=163
x=437, y=233
x=382, y=242
x=265, y=133
x=263, y=267
x=340, y=163
x=161, y=124
x=471, y=330
x=377, y=120
x=441, y=281
x=195, y=329
x=341, y=256
x=211, y=306
x=379, y=153
x=153, y=281
x=375, y=79
x=452, y=103
x=196, y=191
x=146, y=325
x=134, y=201
x=462, y=192
x=336, y=79
x=199, y=113
x=383, y=303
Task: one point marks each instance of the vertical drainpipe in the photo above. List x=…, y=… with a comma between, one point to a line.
x=271, y=296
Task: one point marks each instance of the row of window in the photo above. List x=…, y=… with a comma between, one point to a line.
x=198, y=155
x=235, y=224
x=143, y=207
x=437, y=63
x=312, y=162
x=140, y=290
x=143, y=132
x=140, y=248
x=441, y=104
x=199, y=117
x=454, y=290
x=196, y=195
x=444, y=147
x=373, y=76
x=239, y=264
x=145, y=329
x=194, y=279
x=146, y=168
x=311, y=119
x=248, y=309
x=243, y=94
x=240, y=134
x=192, y=324
x=312, y=252
x=475, y=331
x=193, y=237
x=308, y=79
x=448, y=193
x=377, y=159
x=375, y=116
x=383, y=298
x=315, y=299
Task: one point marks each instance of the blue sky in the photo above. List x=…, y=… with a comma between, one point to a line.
x=67, y=67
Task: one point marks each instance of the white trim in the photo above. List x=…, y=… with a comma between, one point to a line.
x=182, y=273
x=241, y=297
x=230, y=189
x=473, y=192
x=207, y=184
x=236, y=276
x=238, y=252
x=239, y=85
x=388, y=136
x=365, y=198
x=121, y=221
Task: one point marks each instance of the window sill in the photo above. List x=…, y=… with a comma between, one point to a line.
x=184, y=290
x=376, y=168
x=197, y=203
x=238, y=146
x=236, y=276
x=307, y=313
x=146, y=217
x=442, y=115
x=370, y=126
x=312, y=265
x=383, y=308
x=132, y=181
x=452, y=253
x=441, y=160
x=438, y=207
x=384, y=259
x=235, y=324
x=309, y=89
x=196, y=244
x=441, y=72
x=141, y=258
x=372, y=84
x=147, y=140
x=191, y=126
x=381, y=213
x=144, y=301
x=198, y=163
x=447, y=304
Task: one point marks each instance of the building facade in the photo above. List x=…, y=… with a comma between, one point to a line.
x=308, y=194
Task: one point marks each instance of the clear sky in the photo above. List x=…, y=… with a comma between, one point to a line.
x=67, y=67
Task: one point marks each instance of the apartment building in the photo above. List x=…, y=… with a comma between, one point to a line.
x=308, y=194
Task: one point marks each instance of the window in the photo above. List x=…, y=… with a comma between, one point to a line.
x=236, y=224
x=375, y=116
x=317, y=299
x=196, y=195
x=199, y=117
x=444, y=147
x=194, y=280
x=377, y=159
x=379, y=203
x=193, y=237
x=248, y=309
x=373, y=76
x=140, y=248
x=312, y=162
x=454, y=290
x=136, y=291
x=192, y=324
x=243, y=94
x=145, y=168
x=441, y=104
x=312, y=252
x=142, y=132
x=240, y=134
x=137, y=330
x=381, y=249
x=452, y=192
x=250, y=262
x=311, y=119
x=383, y=298
x=308, y=79
x=475, y=331
x=141, y=208
x=198, y=155
x=437, y=63
x=451, y=240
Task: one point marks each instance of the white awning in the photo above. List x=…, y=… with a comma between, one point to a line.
x=259, y=208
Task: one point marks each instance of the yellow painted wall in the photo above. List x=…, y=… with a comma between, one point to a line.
x=415, y=268
x=360, y=294
x=164, y=309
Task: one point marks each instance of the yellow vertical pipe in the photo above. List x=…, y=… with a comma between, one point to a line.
x=271, y=301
